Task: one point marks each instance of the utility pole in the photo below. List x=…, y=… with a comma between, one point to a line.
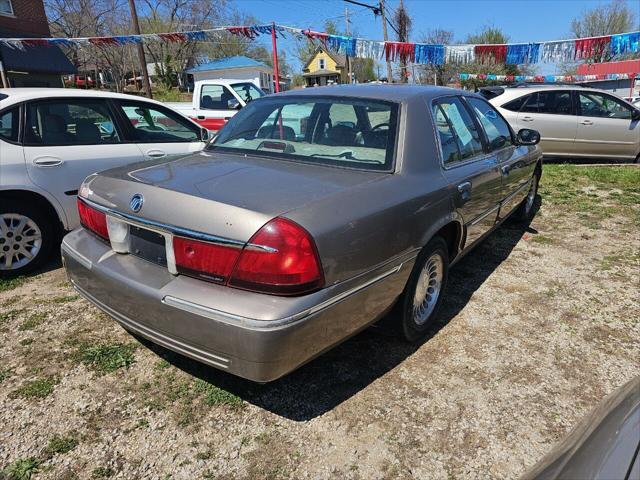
x=141, y=56
x=386, y=38
x=346, y=18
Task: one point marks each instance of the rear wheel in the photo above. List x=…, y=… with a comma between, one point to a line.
x=526, y=209
x=425, y=290
x=26, y=238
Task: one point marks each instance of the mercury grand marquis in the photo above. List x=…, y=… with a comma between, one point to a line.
x=308, y=217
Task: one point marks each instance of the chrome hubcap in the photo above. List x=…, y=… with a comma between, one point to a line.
x=20, y=241
x=428, y=289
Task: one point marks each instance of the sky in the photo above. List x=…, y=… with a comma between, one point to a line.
x=521, y=20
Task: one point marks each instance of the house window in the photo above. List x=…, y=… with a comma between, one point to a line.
x=5, y=7
x=321, y=63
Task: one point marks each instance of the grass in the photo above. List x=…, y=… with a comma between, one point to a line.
x=11, y=283
x=213, y=395
x=35, y=389
x=594, y=193
x=542, y=239
x=5, y=373
x=106, y=358
x=21, y=469
x=33, y=321
x=64, y=299
x=59, y=444
x=102, y=472
x=10, y=315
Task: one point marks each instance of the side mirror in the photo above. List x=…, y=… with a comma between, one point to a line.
x=635, y=115
x=233, y=104
x=204, y=134
x=526, y=136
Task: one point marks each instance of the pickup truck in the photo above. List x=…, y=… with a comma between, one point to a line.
x=216, y=101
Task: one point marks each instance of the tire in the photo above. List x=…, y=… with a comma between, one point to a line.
x=24, y=230
x=526, y=210
x=432, y=264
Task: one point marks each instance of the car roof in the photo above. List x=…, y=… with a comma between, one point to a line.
x=15, y=95
x=388, y=92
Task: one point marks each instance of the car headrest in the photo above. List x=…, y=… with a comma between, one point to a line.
x=87, y=132
x=273, y=131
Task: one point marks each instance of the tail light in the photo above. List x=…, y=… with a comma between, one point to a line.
x=93, y=220
x=204, y=260
x=280, y=258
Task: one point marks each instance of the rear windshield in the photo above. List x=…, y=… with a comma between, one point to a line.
x=341, y=131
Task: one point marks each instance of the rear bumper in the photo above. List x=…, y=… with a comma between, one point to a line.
x=255, y=336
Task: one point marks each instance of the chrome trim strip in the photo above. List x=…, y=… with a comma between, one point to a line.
x=81, y=259
x=513, y=194
x=164, y=228
x=263, y=325
x=484, y=215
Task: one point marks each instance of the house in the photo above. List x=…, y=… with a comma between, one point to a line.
x=627, y=87
x=236, y=68
x=31, y=66
x=325, y=68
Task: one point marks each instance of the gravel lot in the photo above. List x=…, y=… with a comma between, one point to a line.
x=539, y=325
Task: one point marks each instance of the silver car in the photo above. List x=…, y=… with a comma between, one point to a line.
x=308, y=218
x=573, y=121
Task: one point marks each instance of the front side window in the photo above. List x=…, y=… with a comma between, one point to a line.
x=158, y=125
x=594, y=104
x=215, y=97
x=458, y=135
x=247, y=91
x=496, y=129
x=9, y=124
x=6, y=7
x=70, y=122
x=322, y=130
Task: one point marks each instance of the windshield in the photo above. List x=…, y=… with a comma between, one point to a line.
x=247, y=91
x=332, y=131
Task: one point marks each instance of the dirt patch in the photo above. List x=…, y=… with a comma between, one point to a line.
x=534, y=333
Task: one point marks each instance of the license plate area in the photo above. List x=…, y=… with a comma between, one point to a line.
x=147, y=244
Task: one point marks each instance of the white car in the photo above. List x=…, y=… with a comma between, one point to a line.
x=52, y=139
x=573, y=121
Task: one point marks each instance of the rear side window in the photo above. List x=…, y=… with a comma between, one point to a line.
x=9, y=121
x=69, y=122
x=159, y=125
x=459, y=138
x=516, y=105
x=549, y=102
x=215, y=97
x=496, y=129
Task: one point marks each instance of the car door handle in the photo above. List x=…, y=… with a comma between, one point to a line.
x=156, y=154
x=527, y=119
x=200, y=117
x=48, y=162
x=464, y=193
x=586, y=122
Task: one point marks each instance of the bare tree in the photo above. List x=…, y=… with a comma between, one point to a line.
x=438, y=74
x=403, y=23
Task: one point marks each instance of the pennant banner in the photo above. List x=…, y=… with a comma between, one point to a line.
x=547, y=78
x=513, y=54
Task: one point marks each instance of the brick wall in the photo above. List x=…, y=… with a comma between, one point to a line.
x=29, y=18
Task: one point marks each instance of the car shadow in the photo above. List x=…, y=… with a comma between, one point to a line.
x=343, y=371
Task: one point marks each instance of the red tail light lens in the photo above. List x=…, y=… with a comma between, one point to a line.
x=93, y=220
x=281, y=258
x=204, y=260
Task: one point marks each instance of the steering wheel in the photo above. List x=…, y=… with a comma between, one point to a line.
x=380, y=125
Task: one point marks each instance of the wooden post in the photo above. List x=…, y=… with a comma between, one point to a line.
x=3, y=76
x=386, y=38
x=274, y=46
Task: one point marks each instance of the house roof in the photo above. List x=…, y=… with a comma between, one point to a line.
x=341, y=60
x=37, y=58
x=238, y=61
x=626, y=66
